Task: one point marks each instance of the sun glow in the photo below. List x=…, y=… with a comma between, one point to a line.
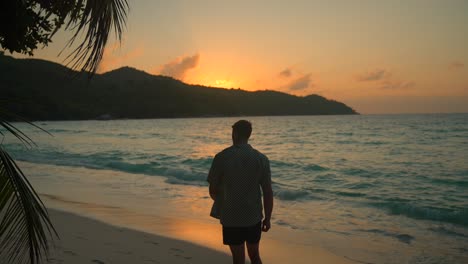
x=223, y=83
x=218, y=80
x=224, y=70
x=213, y=82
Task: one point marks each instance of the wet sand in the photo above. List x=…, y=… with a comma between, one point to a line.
x=87, y=240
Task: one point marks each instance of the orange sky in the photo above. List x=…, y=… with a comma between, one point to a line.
x=376, y=56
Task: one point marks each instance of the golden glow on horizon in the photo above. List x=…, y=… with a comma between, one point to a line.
x=222, y=70
x=371, y=56
x=223, y=83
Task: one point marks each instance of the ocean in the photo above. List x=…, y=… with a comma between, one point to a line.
x=372, y=188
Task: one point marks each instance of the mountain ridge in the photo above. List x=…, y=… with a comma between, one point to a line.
x=51, y=91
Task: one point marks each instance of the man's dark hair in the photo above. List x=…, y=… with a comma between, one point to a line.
x=243, y=129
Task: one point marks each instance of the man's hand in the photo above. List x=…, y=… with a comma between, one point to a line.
x=266, y=225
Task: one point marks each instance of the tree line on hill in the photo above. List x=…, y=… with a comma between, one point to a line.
x=43, y=90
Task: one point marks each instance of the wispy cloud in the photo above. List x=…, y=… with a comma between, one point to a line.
x=301, y=83
x=384, y=79
x=456, y=65
x=394, y=85
x=376, y=75
x=179, y=67
x=286, y=73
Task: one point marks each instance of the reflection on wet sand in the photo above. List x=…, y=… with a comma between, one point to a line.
x=202, y=233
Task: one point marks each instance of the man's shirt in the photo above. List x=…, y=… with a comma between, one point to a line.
x=238, y=172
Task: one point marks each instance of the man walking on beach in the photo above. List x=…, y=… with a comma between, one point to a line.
x=235, y=178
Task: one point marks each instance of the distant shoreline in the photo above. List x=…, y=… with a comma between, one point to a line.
x=183, y=117
x=241, y=116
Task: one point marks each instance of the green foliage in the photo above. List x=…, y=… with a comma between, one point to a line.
x=130, y=93
x=22, y=28
x=27, y=24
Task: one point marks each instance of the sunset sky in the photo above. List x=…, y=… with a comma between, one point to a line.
x=408, y=56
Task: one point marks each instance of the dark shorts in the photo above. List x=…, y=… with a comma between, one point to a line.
x=239, y=235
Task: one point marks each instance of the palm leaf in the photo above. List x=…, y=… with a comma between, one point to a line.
x=97, y=18
x=25, y=225
x=15, y=131
x=24, y=222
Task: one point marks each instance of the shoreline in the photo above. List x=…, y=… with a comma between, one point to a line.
x=151, y=205
x=208, y=117
x=86, y=240
x=100, y=234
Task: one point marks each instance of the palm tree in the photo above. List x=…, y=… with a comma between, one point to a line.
x=25, y=227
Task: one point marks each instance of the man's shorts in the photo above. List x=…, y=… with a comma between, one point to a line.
x=239, y=235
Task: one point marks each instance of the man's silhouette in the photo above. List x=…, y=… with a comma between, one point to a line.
x=236, y=177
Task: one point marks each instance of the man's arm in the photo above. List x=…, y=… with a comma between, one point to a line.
x=267, y=194
x=214, y=177
x=213, y=191
x=268, y=205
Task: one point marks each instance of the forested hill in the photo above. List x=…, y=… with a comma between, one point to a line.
x=43, y=90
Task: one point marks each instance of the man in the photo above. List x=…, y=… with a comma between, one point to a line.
x=235, y=178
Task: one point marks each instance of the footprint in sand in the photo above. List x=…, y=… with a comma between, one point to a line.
x=69, y=252
x=54, y=260
x=150, y=260
x=179, y=251
x=151, y=242
x=125, y=252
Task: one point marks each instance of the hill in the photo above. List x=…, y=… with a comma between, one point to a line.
x=43, y=90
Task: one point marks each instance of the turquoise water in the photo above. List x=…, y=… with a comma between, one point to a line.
x=399, y=180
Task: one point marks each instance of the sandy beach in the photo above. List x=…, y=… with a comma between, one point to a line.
x=86, y=240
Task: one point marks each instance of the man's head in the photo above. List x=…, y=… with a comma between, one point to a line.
x=241, y=131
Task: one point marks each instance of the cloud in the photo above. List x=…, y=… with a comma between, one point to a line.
x=376, y=75
x=179, y=67
x=394, y=85
x=383, y=79
x=301, y=83
x=286, y=73
x=456, y=65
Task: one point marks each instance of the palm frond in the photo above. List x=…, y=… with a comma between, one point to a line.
x=4, y=115
x=97, y=18
x=24, y=223
x=25, y=226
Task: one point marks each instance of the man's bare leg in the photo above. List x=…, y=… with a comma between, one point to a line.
x=254, y=253
x=238, y=253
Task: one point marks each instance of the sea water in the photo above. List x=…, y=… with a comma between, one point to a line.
x=372, y=188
